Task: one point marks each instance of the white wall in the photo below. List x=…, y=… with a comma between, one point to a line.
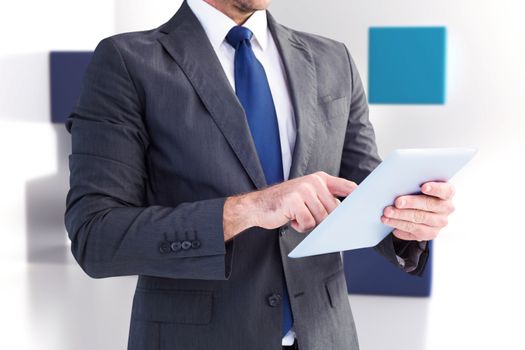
x=48, y=303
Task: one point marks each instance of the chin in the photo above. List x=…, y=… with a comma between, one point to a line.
x=251, y=5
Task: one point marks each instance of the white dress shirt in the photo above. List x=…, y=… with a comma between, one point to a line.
x=217, y=25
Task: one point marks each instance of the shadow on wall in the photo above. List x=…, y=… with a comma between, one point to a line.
x=71, y=311
x=391, y=322
x=47, y=240
x=68, y=309
x=24, y=95
x=24, y=86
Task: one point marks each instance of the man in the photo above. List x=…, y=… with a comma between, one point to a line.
x=202, y=152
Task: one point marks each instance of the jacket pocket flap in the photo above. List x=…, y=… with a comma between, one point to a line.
x=333, y=107
x=336, y=288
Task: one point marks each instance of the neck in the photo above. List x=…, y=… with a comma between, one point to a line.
x=238, y=14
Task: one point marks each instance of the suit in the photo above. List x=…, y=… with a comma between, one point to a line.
x=159, y=141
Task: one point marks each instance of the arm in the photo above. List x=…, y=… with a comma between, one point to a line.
x=359, y=158
x=112, y=229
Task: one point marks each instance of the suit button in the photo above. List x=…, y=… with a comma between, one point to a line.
x=175, y=246
x=274, y=300
x=283, y=230
x=186, y=245
x=164, y=247
x=196, y=244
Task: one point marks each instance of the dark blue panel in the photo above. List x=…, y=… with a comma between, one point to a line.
x=67, y=70
x=367, y=272
x=407, y=65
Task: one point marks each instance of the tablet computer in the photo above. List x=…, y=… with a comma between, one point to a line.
x=356, y=222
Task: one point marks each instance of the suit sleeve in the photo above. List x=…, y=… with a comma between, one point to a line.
x=359, y=158
x=113, y=231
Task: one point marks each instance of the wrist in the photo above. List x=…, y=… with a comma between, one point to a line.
x=237, y=215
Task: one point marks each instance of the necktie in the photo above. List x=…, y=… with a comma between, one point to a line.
x=253, y=91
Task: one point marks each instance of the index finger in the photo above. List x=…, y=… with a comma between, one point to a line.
x=442, y=190
x=339, y=186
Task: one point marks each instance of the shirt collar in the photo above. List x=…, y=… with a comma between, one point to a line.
x=258, y=24
x=217, y=25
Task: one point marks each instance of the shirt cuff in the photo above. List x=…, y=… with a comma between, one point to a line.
x=408, y=253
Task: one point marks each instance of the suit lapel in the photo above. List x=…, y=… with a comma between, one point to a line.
x=300, y=70
x=187, y=43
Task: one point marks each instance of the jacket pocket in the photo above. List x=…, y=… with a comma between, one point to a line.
x=336, y=290
x=333, y=107
x=173, y=306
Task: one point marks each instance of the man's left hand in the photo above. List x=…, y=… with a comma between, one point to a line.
x=421, y=217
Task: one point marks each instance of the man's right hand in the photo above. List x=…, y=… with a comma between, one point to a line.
x=304, y=202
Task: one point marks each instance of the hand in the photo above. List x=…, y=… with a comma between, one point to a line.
x=303, y=201
x=421, y=217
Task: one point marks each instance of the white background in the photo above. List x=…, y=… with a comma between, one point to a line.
x=47, y=302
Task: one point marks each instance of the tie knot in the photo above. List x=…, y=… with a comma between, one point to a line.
x=238, y=34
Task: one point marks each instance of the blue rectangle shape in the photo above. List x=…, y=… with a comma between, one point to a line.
x=367, y=272
x=66, y=74
x=407, y=65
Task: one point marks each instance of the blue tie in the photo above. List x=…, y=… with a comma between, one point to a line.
x=254, y=93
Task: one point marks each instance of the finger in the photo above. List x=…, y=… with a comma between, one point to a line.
x=407, y=236
x=424, y=202
x=316, y=208
x=416, y=216
x=339, y=186
x=420, y=231
x=303, y=219
x=329, y=202
x=327, y=199
x=443, y=190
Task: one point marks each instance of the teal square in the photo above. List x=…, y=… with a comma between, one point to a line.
x=407, y=65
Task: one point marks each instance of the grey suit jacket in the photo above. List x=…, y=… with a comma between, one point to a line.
x=159, y=140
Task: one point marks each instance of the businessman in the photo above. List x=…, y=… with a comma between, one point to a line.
x=203, y=151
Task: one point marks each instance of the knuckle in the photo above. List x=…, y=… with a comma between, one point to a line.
x=407, y=226
x=318, y=210
x=296, y=199
x=318, y=179
x=305, y=188
x=309, y=222
x=302, y=185
x=416, y=230
x=321, y=174
x=428, y=203
x=302, y=220
x=419, y=216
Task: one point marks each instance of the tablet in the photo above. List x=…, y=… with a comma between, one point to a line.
x=356, y=222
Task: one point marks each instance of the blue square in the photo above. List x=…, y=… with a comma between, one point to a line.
x=407, y=65
x=367, y=272
x=66, y=73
